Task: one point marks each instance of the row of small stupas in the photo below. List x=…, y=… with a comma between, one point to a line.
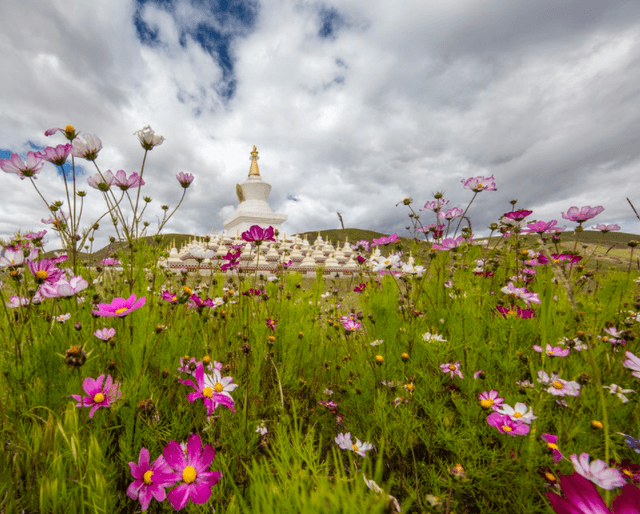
x=305, y=257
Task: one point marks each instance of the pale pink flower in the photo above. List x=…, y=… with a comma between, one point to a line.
x=123, y=182
x=102, y=183
x=57, y=155
x=449, y=243
x=24, y=170
x=553, y=351
x=344, y=442
x=148, y=138
x=105, y=334
x=87, y=149
x=542, y=227
x=598, y=472
x=632, y=363
x=453, y=369
x=480, y=183
x=606, y=228
x=581, y=215
x=490, y=399
x=185, y=179
x=435, y=205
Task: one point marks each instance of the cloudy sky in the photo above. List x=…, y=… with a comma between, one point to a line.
x=353, y=105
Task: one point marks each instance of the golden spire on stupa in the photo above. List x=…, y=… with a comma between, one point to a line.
x=254, y=171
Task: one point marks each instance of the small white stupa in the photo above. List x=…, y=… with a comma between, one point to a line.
x=253, y=208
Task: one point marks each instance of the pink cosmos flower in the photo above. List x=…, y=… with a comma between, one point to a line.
x=185, y=179
x=511, y=311
x=213, y=389
x=63, y=288
x=542, y=227
x=123, y=182
x=582, y=497
x=598, y=472
x=12, y=257
x=558, y=386
x=386, y=240
x=606, y=228
x=453, y=369
x=120, y=307
x=490, y=399
x=150, y=479
x=632, y=363
x=45, y=271
x=435, y=205
x=520, y=292
x=57, y=155
x=581, y=215
x=18, y=301
x=102, y=183
x=518, y=215
x=361, y=246
x=256, y=234
x=553, y=351
x=345, y=443
x=505, y=425
x=105, y=334
x=24, y=170
x=452, y=213
x=99, y=396
x=110, y=261
x=449, y=243
x=480, y=183
x=351, y=325
x=87, y=149
x=552, y=444
x=191, y=469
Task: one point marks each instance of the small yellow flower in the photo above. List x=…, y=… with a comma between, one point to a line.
x=596, y=424
x=379, y=359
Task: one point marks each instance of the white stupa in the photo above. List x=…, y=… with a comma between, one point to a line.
x=253, y=208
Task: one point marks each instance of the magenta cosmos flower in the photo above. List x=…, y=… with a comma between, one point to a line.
x=99, y=396
x=151, y=479
x=119, y=307
x=185, y=179
x=350, y=325
x=385, y=240
x=518, y=215
x=24, y=170
x=57, y=155
x=581, y=215
x=552, y=445
x=480, y=183
x=212, y=388
x=582, y=497
x=256, y=234
x=45, y=271
x=271, y=323
x=191, y=469
x=511, y=311
x=506, y=425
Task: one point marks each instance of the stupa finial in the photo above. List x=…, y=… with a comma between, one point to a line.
x=254, y=171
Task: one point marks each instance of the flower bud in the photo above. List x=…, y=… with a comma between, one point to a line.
x=75, y=356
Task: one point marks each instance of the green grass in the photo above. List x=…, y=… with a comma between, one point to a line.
x=54, y=458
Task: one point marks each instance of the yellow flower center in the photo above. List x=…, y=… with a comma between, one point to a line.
x=506, y=428
x=627, y=472
x=42, y=274
x=552, y=446
x=98, y=398
x=557, y=385
x=355, y=448
x=186, y=289
x=517, y=415
x=147, y=477
x=486, y=403
x=14, y=272
x=410, y=387
x=207, y=392
x=189, y=474
x=121, y=310
x=206, y=359
x=550, y=476
x=379, y=358
x=452, y=367
x=69, y=129
x=480, y=186
x=218, y=388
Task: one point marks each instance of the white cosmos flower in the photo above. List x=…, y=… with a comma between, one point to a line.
x=520, y=412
